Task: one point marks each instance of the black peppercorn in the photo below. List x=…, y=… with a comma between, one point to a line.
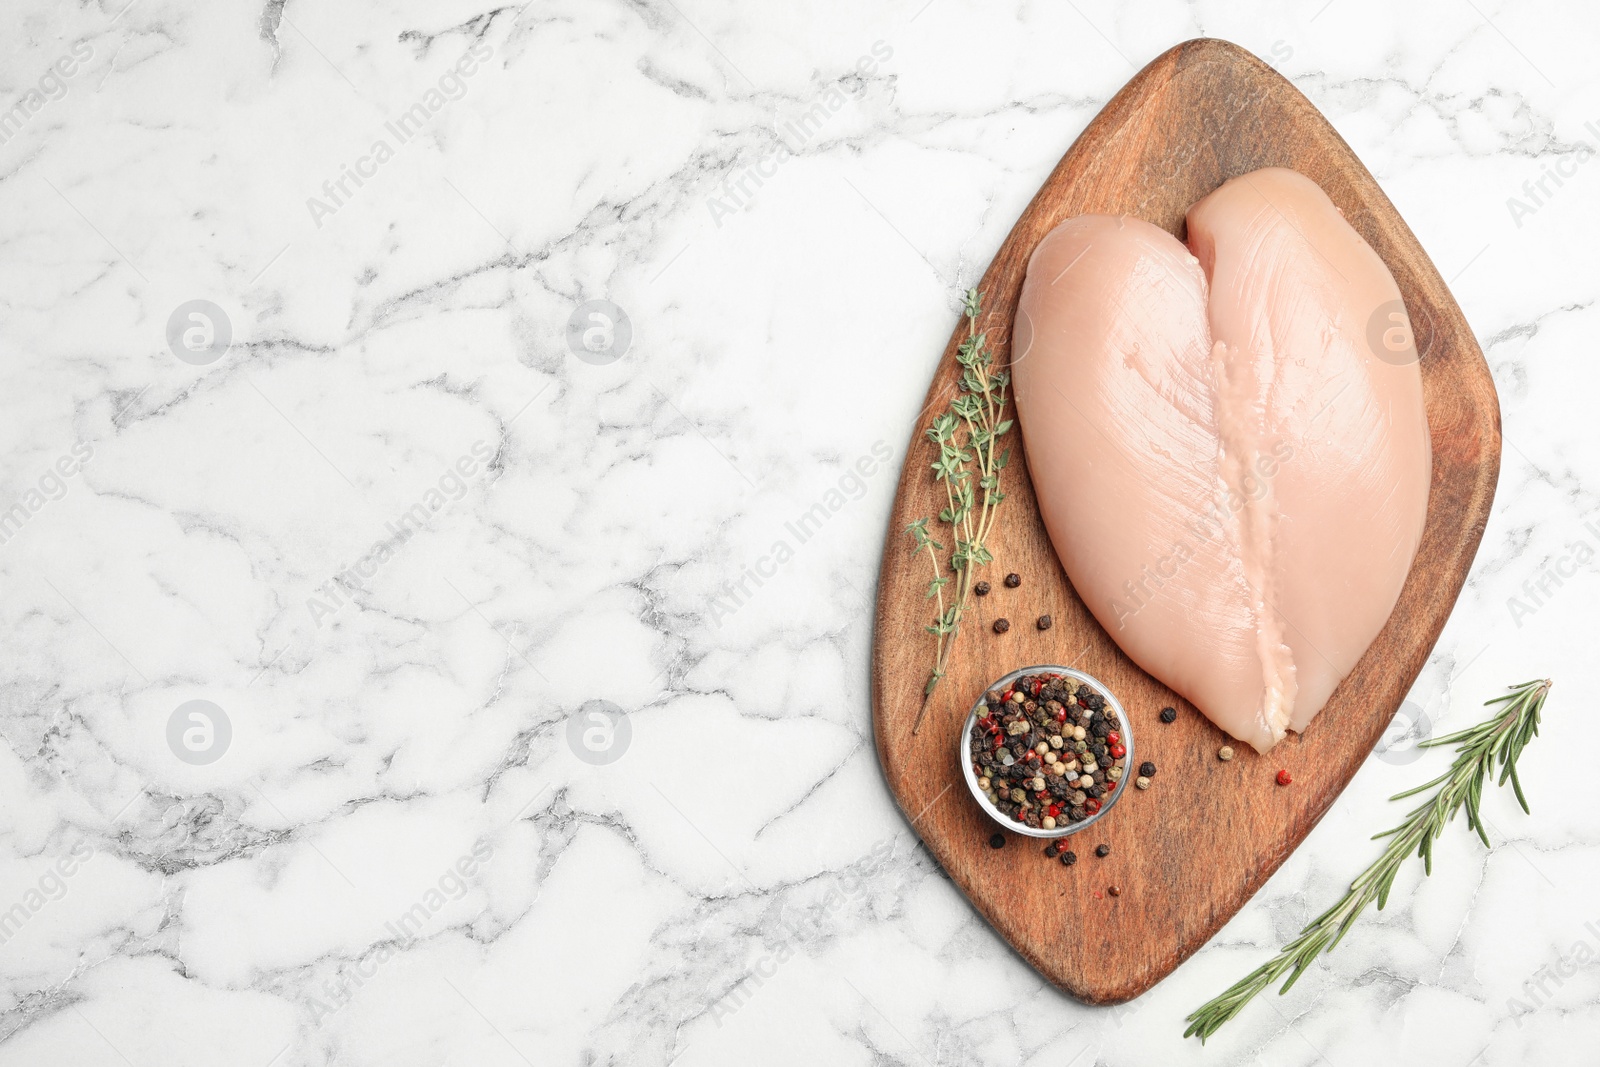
x=1043, y=623
x=1169, y=714
x=1001, y=625
x=1147, y=769
x=1068, y=858
x=1102, y=851
x=997, y=841
x=1013, y=580
x=1052, y=849
x=982, y=589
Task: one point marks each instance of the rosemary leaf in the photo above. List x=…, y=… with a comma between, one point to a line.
x=1497, y=740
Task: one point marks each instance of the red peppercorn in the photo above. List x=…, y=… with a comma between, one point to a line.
x=1091, y=805
x=1054, y=810
x=1061, y=716
x=1284, y=777
x=1113, y=737
x=1117, y=752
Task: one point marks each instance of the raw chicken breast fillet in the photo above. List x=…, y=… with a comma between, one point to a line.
x=1229, y=447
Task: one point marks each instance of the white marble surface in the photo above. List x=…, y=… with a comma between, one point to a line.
x=417, y=718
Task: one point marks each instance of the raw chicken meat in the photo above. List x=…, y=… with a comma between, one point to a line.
x=1229, y=447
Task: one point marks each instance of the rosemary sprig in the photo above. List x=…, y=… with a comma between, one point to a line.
x=965, y=437
x=1500, y=739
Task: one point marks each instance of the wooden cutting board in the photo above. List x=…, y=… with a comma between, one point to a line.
x=1191, y=850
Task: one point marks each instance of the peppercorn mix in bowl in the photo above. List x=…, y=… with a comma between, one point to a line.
x=1045, y=751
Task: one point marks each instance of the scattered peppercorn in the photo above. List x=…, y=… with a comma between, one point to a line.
x=1068, y=858
x=1052, y=850
x=1115, y=890
x=1142, y=782
x=1043, y=623
x=1284, y=777
x=1224, y=753
x=1167, y=714
x=982, y=589
x=1147, y=769
x=997, y=841
x=1102, y=851
x=1013, y=580
x=1002, y=625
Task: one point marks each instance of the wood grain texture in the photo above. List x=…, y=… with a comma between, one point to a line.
x=1190, y=851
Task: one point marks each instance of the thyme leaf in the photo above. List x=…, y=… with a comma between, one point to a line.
x=965, y=437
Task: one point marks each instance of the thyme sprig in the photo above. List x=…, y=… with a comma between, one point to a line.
x=969, y=469
x=1498, y=740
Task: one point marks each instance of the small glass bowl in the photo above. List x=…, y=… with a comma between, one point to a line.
x=963, y=753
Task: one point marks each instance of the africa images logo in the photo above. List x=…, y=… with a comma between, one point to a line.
x=199, y=332
x=599, y=332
